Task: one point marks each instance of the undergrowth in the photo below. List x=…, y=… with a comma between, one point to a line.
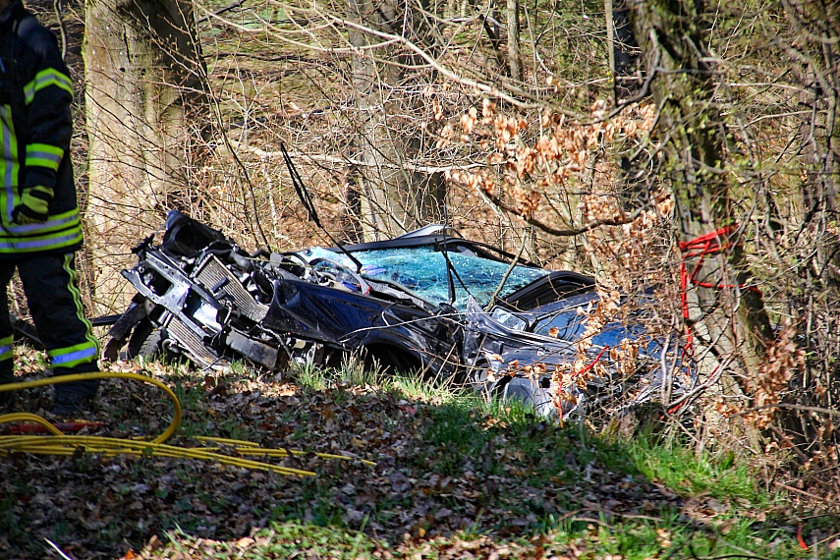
x=455, y=476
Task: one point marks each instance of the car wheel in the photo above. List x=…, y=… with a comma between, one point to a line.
x=529, y=392
x=146, y=341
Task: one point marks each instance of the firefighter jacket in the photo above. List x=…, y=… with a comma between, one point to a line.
x=35, y=97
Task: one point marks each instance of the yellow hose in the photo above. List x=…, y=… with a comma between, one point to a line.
x=27, y=417
x=176, y=420
x=59, y=444
x=250, y=448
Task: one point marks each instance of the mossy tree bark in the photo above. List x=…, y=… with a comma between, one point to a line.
x=726, y=321
x=144, y=76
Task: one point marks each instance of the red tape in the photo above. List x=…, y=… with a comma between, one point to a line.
x=707, y=244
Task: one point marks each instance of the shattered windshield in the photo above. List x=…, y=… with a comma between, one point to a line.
x=423, y=270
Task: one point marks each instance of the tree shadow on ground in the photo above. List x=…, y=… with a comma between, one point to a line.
x=447, y=467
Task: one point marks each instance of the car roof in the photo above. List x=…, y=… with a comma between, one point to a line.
x=553, y=287
x=442, y=237
x=548, y=289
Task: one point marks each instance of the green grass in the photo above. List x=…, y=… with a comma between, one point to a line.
x=284, y=540
x=455, y=474
x=311, y=376
x=680, y=468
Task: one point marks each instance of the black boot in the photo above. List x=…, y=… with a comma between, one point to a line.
x=75, y=397
x=7, y=398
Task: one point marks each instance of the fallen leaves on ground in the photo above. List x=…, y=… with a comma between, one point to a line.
x=428, y=490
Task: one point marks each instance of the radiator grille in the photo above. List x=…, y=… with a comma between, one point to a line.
x=186, y=338
x=213, y=273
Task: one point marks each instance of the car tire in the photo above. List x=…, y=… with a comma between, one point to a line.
x=529, y=393
x=146, y=341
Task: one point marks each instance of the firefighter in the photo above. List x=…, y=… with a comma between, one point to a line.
x=41, y=228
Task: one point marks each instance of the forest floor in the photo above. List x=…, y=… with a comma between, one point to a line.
x=454, y=477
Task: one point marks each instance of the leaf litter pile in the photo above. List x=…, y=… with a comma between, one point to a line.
x=450, y=480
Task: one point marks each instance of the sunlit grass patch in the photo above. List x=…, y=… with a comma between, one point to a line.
x=454, y=475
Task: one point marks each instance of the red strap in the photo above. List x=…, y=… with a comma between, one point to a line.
x=707, y=244
x=24, y=428
x=592, y=363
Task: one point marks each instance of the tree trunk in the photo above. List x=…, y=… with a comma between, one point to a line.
x=817, y=68
x=395, y=199
x=724, y=320
x=144, y=75
x=513, y=33
x=627, y=83
x=815, y=53
x=623, y=51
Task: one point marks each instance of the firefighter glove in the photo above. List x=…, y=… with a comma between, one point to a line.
x=34, y=206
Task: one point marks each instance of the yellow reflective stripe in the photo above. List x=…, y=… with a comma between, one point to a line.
x=73, y=356
x=59, y=223
x=10, y=165
x=45, y=78
x=86, y=352
x=32, y=245
x=59, y=232
x=73, y=285
x=44, y=155
x=7, y=349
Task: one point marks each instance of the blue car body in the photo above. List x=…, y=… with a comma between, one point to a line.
x=428, y=300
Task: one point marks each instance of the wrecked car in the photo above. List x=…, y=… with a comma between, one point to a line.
x=397, y=302
x=200, y=296
x=428, y=301
x=551, y=358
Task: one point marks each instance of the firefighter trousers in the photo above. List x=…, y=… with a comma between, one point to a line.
x=51, y=288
